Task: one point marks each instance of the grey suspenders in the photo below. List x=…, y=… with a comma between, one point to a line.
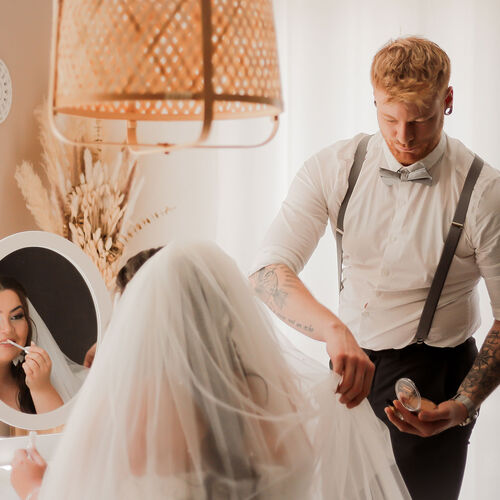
x=450, y=244
x=359, y=158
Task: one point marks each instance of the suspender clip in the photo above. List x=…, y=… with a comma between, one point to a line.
x=339, y=231
x=457, y=224
x=420, y=341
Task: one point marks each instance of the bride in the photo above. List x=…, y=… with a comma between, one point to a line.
x=194, y=396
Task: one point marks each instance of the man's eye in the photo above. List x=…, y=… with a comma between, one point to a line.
x=18, y=316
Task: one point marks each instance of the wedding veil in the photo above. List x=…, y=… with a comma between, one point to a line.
x=66, y=376
x=192, y=396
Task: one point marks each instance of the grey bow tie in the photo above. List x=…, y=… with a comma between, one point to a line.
x=421, y=175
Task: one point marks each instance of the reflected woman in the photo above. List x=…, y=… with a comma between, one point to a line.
x=24, y=377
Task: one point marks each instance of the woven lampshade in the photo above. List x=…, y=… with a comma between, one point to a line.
x=165, y=60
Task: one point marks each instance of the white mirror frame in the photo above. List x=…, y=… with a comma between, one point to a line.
x=102, y=303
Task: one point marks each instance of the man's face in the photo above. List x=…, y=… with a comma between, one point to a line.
x=411, y=132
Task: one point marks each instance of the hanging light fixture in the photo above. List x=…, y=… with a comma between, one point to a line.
x=164, y=60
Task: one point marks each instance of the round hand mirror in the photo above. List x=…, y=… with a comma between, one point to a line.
x=408, y=395
x=68, y=307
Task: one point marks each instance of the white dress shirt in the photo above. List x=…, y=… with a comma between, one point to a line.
x=393, y=239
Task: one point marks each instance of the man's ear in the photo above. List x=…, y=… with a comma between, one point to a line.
x=448, y=101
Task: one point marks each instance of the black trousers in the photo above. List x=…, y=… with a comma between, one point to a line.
x=432, y=467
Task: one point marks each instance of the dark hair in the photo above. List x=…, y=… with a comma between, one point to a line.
x=24, y=398
x=128, y=270
x=217, y=482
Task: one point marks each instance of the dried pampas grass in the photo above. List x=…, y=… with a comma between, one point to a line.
x=86, y=200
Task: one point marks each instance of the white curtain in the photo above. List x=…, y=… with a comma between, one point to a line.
x=326, y=47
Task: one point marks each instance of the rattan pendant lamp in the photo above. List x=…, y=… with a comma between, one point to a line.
x=164, y=60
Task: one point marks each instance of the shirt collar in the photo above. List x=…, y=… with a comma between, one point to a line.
x=427, y=162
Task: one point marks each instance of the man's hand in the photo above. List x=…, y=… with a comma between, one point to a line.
x=352, y=363
x=427, y=422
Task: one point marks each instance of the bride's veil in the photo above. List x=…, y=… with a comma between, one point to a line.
x=191, y=397
x=66, y=376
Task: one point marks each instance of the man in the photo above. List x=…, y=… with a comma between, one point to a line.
x=396, y=221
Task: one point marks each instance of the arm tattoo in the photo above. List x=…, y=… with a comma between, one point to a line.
x=484, y=376
x=272, y=292
x=267, y=288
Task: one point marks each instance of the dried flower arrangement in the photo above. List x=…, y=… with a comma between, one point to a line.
x=89, y=199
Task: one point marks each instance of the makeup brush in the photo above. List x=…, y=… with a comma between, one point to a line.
x=8, y=341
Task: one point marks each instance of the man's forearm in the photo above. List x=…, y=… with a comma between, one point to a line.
x=285, y=294
x=484, y=376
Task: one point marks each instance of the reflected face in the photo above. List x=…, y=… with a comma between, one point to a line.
x=13, y=324
x=411, y=132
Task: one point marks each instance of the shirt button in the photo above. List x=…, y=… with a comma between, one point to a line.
x=378, y=294
x=385, y=272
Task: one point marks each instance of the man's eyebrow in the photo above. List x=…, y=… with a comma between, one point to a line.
x=16, y=308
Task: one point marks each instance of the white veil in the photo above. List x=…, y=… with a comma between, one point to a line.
x=190, y=397
x=66, y=376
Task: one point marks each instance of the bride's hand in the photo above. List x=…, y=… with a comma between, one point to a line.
x=27, y=471
x=352, y=363
x=37, y=366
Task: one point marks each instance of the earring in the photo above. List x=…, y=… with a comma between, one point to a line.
x=18, y=359
x=448, y=110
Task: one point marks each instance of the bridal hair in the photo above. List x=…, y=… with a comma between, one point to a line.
x=127, y=271
x=411, y=69
x=235, y=450
x=24, y=398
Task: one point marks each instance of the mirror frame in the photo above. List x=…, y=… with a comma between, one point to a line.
x=102, y=302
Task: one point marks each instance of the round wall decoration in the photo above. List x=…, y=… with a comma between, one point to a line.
x=5, y=91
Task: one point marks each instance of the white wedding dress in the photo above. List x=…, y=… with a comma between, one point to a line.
x=192, y=396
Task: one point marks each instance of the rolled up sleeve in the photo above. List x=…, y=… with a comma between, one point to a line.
x=302, y=219
x=487, y=242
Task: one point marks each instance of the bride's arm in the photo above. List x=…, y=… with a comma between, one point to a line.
x=272, y=429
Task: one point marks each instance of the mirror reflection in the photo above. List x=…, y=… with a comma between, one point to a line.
x=47, y=324
x=36, y=377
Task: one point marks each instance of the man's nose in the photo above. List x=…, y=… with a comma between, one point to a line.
x=405, y=134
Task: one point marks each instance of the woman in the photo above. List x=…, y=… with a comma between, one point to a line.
x=24, y=378
x=192, y=398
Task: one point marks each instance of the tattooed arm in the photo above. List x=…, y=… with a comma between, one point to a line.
x=480, y=382
x=285, y=294
x=484, y=376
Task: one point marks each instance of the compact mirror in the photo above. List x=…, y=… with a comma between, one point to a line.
x=408, y=395
x=68, y=308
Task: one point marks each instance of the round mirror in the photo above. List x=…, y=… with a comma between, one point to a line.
x=68, y=307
